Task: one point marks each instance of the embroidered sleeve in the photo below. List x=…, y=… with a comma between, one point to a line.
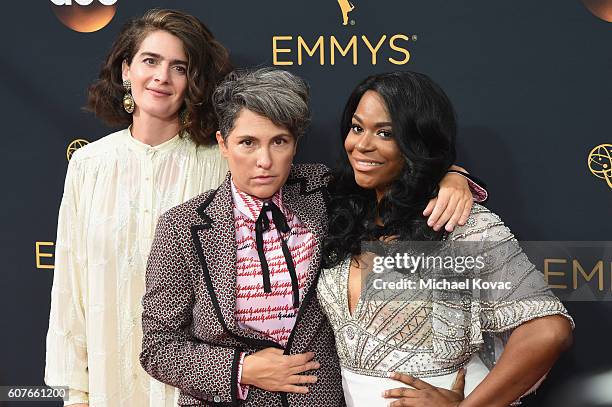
x=528, y=296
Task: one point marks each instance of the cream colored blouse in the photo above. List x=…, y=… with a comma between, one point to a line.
x=115, y=190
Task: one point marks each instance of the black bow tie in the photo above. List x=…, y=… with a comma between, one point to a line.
x=261, y=225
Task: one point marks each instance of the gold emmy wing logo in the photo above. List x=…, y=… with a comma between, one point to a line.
x=600, y=162
x=74, y=146
x=84, y=16
x=346, y=7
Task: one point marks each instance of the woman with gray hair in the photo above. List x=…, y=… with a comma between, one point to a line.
x=276, y=94
x=229, y=309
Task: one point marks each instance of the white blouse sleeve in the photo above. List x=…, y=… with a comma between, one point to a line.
x=66, y=358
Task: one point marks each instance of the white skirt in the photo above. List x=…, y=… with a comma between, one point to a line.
x=366, y=391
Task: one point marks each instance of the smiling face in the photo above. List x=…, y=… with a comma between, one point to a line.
x=158, y=73
x=371, y=148
x=259, y=154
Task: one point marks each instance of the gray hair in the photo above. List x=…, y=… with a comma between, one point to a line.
x=275, y=94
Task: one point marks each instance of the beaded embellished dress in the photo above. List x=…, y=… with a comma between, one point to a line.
x=434, y=333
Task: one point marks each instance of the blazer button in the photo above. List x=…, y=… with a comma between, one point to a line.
x=217, y=399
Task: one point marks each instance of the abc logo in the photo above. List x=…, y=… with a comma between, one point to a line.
x=600, y=8
x=84, y=16
x=82, y=2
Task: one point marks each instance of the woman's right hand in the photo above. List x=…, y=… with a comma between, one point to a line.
x=271, y=370
x=423, y=394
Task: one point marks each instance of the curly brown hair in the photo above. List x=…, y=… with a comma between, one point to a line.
x=207, y=64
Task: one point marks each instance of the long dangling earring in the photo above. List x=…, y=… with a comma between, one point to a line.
x=128, y=100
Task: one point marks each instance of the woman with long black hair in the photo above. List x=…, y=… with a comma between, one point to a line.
x=445, y=343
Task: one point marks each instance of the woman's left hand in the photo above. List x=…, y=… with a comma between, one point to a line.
x=453, y=204
x=424, y=394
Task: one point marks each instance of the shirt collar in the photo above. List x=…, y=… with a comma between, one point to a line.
x=147, y=149
x=250, y=206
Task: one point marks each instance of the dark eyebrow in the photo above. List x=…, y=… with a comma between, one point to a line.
x=154, y=55
x=380, y=124
x=245, y=136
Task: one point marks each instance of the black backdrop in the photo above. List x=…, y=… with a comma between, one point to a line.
x=530, y=81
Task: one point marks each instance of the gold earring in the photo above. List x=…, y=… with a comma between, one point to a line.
x=128, y=100
x=184, y=117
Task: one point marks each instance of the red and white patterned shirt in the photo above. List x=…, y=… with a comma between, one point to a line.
x=270, y=313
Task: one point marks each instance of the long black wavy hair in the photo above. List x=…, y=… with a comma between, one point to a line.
x=424, y=127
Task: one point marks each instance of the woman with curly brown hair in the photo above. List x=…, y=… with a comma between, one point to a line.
x=157, y=81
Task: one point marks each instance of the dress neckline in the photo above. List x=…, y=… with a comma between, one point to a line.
x=147, y=149
x=345, y=274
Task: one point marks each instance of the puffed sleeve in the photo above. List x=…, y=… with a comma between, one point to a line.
x=526, y=295
x=505, y=290
x=66, y=354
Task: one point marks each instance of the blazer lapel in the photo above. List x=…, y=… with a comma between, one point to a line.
x=305, y=194
x=215, y=242
x=307, y=202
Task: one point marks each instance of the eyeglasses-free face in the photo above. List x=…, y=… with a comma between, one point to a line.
x=158, y=74
x=259, y=154
x=371, y=148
